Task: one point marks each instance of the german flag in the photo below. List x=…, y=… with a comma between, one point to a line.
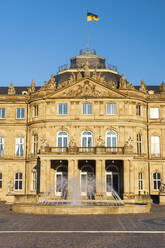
x=92, y=17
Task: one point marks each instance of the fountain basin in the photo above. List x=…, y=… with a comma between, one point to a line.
x=81, y=210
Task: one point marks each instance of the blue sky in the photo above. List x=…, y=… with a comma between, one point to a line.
x=37, y=36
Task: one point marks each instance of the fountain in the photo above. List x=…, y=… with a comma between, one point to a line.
x=72, y=197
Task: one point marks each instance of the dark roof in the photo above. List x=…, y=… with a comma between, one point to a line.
x=155, y=88
x=108, y=76
x=4, y=90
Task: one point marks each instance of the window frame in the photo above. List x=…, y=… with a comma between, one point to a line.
x=21, y=115
x=1, y=180
x=18, y=181
x=35, y=111
x=87, y=137
x=111, y=108
x=152, y=114
x=62, y=106
x=2, y=146
x=35, y=143
x=138, y=110
x=113, y=134
x=139, y=144
x=140, y=181
x=156, y=180
x=153, y=146
x=34, y=181
x=1, y=113
x=19, y=144
x=87, y=108
x=62, y=136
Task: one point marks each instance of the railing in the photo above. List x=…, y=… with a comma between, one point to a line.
x=93, y=150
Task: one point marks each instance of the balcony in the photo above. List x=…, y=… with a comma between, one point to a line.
x=82, y=150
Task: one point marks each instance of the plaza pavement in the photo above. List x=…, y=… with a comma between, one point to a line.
x=43, y=231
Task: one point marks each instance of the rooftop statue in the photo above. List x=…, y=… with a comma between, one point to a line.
x=123, y=82
x=11, y=90
x=162, y=87
x=143, y=86
x=32, y=87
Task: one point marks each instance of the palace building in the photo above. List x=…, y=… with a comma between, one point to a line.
x=85, y=122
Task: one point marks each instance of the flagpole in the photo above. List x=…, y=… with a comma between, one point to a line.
x=87, y=32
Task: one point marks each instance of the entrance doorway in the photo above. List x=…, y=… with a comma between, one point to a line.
x=112, y=180
x=87, y=182
x=61, y=182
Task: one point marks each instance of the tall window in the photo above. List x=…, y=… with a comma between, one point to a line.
x=19, y=146
x=140, y=177
x=87, y=139
x=138, y=110
x=18, y=181
x=2, y=113
x=0, y=180
x=35, y=145
x=111, y=139
x=155, y=146
x=111, y=108
x=35, y=110
x=154, y=113
x=156, y=180
x=139, y=144
x=20, y=113
x=62, y=108
x=1, y=146
x=87, y=108
x=34, y=180
x=62, y=139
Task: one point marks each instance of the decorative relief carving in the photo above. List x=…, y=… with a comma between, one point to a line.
x=100, y=142
x=85, y=89
x=11, y=89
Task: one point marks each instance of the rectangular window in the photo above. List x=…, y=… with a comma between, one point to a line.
x=87, y=108
x=34, y=180
x=18, y=181
x=35, y=137
x=1, y=146
x=154, y=113
x=2, y=113
x=139, y=144
x=155, y=146
x=138, y=110
x=35, y=110
x=0, y=180
x=156, y=180
x=111, y=108
x=20, y=113
x=19, y=146
x=140, y=181
x=62, y=108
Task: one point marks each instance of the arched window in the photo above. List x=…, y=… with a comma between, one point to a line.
x=34, y=180
x=87, y=182
x=156, y=180
x=18, y=181
x=87, y=139
x=62, y=139
x=111, y=138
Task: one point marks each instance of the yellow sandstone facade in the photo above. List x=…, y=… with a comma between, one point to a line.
x=85, y=122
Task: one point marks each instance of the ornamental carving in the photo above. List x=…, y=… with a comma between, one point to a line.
x=11, y=89
x=86, y=89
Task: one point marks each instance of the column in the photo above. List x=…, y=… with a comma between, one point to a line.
x=126, y=178
x=132, y=178
x=100, y=179
x=73, y=180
